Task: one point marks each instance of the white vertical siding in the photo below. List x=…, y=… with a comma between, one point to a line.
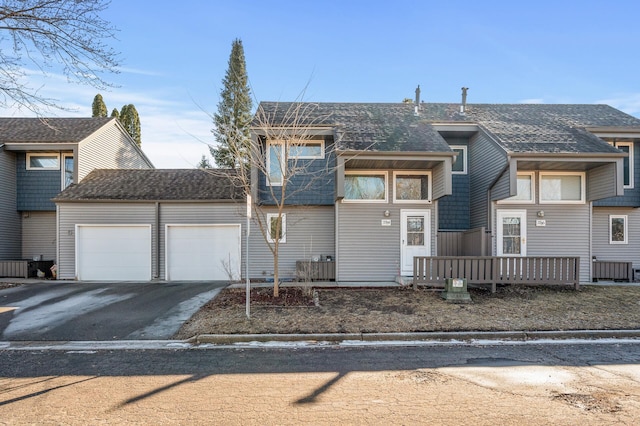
x=629, y=252
x=108, y=148
x=71, y=214
x=10, y=225
x=310, y=231
x=367, y=250
x=39, y=235
x=200, y=213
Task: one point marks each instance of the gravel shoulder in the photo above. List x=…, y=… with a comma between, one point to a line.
x=360, y=310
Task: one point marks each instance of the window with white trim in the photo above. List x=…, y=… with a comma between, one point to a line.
x=306, y=149
x=275, y=163
x=68, y=169
x=412, y=187
x=276, y=227
x=627, y=162
x=459, y=167
x=562, y=187
x=43, y=161
x=365, y=186
x=618, y=229
x=525, y=189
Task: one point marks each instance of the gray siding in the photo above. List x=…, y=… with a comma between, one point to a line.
x=616, y=252
x=36, y=188
x=10, y=225
x=199, y=213
x=502, y=187
x=441, y=175
x=39, y=235
x=310, y=231
x=71, y=214
x=631, y=197
x=601, y=182
x=566, y=232
x=486, y=161
x=368, y=251
x=108, y=148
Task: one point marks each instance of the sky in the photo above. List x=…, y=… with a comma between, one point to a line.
x=174, y=56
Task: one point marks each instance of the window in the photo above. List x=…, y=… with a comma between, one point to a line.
x=306, y=149
x=562, y=187
x=43, y=161
x=618, y=229
x=460, y=165
x=365, y=186
x=412, y=187
x=628, y=162
x=67, y=176
x=275, y=163
x=277, y=227
x=525, y=189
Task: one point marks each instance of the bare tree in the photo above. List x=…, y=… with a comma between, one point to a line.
x=45, y=33
x=278, y=137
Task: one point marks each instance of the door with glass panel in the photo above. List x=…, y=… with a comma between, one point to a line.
x=511, y=233
x=415, y=237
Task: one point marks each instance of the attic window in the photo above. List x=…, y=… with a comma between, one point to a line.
x=306, y=149
x=43, y=161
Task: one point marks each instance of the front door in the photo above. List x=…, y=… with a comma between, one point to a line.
x=415, y=238
x=511, y=233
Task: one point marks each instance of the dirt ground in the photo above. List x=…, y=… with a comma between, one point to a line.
x=356, y=310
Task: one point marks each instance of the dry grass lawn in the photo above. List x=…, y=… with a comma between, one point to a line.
x=356, y=310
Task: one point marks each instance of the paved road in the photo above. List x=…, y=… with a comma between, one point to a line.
x=525, y=384
x=100, y=311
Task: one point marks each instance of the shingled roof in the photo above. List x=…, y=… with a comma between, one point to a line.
x=154, y=185
x=49, y=130
x=525, y=128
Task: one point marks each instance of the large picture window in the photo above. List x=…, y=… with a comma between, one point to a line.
x=618, y=229
x=562, y=187
x=277, y=227
x=412, y=187
x=525, y=190
x=365, y=186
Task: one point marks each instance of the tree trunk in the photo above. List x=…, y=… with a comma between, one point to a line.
x=276, y=279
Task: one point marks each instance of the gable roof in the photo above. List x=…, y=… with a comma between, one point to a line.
x=524, y=128
x=49, y=130
x=154, y=185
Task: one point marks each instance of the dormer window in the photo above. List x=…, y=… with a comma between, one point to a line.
x=43, y=161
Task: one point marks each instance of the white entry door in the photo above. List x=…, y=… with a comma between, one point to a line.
x=511, y=233
x=415, y=237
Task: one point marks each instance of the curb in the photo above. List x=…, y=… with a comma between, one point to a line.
x=225, y=339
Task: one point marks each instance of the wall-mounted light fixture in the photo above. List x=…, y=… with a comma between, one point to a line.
x=386, y=213
x=541, y=213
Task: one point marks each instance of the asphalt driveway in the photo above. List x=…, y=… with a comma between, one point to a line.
x=77, y=311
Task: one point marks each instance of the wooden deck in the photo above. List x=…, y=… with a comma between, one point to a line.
x=491, y=270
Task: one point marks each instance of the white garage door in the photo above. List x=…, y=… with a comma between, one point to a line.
x=113, y=252
x=202, y=252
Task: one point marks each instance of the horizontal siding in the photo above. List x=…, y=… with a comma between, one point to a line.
x=616, y=252
x=368, y=251
x=631, y=197
x=601, y=182
x=10, y=224
x=486, y=161
x=109, y=148
x=39, y=235
x=71, y=214
x=310, y=231
x=566, y=232
x=502, y=188
x=199, y=213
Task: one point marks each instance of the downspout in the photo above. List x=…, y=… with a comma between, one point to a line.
x=590, y=241
x=157, y=224
x=436, y=228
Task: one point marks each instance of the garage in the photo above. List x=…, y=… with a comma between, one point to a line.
x=113, y=252
x=203, y=252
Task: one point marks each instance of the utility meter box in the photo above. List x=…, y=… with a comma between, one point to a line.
x=455, y=290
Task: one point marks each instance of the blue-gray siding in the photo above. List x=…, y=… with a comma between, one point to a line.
x=486, y=162
x=36, y=188
x=631, y=197
x=454, y=209
x=629, y=252
x=10, y=224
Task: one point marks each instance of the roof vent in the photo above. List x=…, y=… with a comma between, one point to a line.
x=463, y=107
x=417, y=107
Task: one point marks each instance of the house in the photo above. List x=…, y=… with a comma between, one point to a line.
x=376, y=185
x=39, y=157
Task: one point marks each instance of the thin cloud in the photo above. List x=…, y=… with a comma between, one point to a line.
x=531, y=101
x=627, y=102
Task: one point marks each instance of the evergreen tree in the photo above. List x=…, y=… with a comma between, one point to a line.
x=204, y=163
x=234, y=113
x=98, y=107
x=131, y=122
x=115, y=113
